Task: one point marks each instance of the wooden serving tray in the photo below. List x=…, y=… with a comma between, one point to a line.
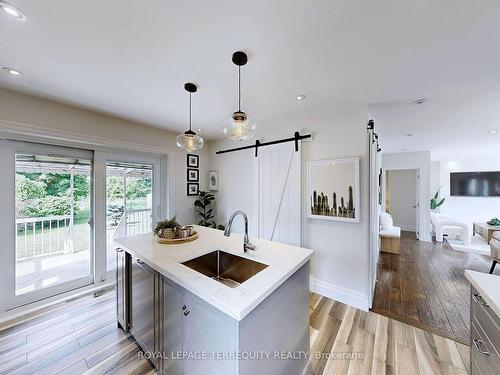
x=176, y=241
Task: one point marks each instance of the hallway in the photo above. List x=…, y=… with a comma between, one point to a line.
x=425, y=286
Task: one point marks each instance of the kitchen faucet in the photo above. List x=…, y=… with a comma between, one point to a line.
x=247, y=245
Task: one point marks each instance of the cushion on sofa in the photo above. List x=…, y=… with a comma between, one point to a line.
x=495, y=245
x=391, y=232
x=386, y=221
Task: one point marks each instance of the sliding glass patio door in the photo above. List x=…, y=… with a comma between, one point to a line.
x=62, y=208
x=129, y=203
x=129, y=189
x=47, y=229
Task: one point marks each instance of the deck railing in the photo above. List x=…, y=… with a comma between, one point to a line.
x=41, y=236
x=50, y=235
x=134, y=222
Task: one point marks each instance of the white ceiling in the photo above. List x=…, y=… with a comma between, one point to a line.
x=450, y=126
x=131, y=58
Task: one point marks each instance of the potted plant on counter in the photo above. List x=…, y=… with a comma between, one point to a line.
x=167, y=228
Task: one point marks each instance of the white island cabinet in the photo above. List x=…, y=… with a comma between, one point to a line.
x=484, y=323
x=189, y=323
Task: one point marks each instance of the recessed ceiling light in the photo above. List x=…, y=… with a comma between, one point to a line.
x=200, y=129
x=301, y=97
x=13, y=72
x=492, y=131
x=12, y=11
x=419, y=101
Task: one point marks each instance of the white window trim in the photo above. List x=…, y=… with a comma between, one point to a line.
x=34, y=133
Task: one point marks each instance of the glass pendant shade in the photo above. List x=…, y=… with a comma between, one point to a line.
x=240, y=127
x=190, y=141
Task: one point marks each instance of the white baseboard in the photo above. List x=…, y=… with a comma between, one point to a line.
x=339, y=293
x=406, y=227
x=51, y=301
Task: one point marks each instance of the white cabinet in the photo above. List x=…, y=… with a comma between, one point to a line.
x=172, y=321
x=195, y=333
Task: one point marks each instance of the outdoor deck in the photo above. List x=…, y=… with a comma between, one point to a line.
x=40, y=272
x=62, y=254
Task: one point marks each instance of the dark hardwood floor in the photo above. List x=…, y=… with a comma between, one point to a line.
x=425, y=286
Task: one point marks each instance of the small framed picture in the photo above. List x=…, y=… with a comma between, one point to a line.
x=213, y=180
x=193, y=161
x=192, y=189
x=193, y=175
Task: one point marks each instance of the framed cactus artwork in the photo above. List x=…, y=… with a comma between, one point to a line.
x=333, y=190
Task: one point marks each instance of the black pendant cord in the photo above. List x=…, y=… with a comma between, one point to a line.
x=190, y=112
x=239, y=88
x=190, y=88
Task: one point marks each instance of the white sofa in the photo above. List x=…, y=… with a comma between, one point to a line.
x=495, y=250
x=387, y=227
x=390, y=235
x=442, y=224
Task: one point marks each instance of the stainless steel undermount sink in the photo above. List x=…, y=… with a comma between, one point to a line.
x=228, y=269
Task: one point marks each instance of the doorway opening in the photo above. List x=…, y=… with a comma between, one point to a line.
x=401, y=198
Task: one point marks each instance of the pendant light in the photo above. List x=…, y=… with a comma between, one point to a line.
x=190, y=141
x=240, y=126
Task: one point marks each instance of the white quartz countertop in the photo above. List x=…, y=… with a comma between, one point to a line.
x=282, y=260
x=488, y=286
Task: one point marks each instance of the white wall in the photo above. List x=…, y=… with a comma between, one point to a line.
x=339, y=268
x=468, y=209
x=402, y=192
x=29, y=112
x=422, y=162
x=435, y=176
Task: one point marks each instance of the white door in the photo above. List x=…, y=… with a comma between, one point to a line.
x=375, y=182
x=403, y=195
x=128, y=197
x=279, y=193
x=47, y=221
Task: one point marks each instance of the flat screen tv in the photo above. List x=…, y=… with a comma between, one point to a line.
x=475, y=184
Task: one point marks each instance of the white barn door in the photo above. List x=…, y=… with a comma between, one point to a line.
x=279, y=187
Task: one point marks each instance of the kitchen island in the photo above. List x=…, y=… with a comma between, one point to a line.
x=484, y=323
x=207, y=307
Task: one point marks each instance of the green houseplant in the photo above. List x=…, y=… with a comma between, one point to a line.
x=204, y=208
x=167, y=228
x=494, y=222
x=435, y=202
